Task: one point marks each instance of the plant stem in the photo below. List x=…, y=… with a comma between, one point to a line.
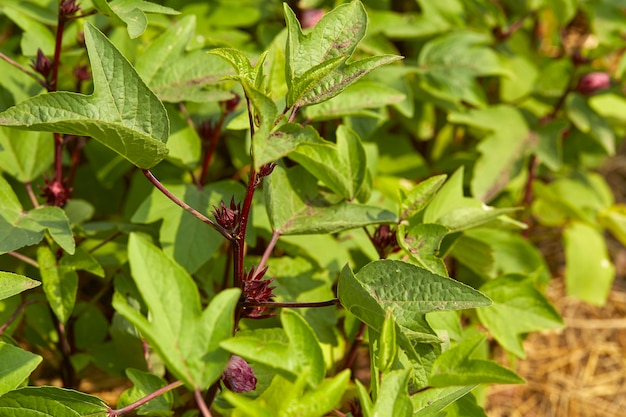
x=23, y=258
x=240, y=238
x=57, y=49
x=142, y=401
x=16, y=314
x=25, y=70
x=31, y=194
x=186, y=206
x=358, y=338
x=268, y=251
x=201, y=404
x=293, y=304
x=104, y=241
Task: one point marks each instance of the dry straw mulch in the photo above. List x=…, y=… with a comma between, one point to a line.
x=579, y=371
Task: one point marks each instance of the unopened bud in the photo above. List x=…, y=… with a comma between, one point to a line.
x=42, y=64
x=592, y=82
x=238, y=375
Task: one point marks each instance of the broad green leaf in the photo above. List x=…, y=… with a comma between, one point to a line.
x=589, y=272
x=16, y=365
x=145, y=383
x=184, y=143
x=429, y=402
x=422, y=243
x=282, y=142
x=269, y=347
x=320, y=400
x=59, y=284
x=185, y=337
x=346, y=159
x=183, y=237
x=316, y=62
x=51, y=402
x=295, y=206
x=449, y=65
x=517, y=308
x=456, y=366
x=466, y=406
x=414, y=201
x=82, y=260
x=449, y=197
x=468, y=217
x=355, y=100
x=588, y=121
x=393, y=398
x=614, y=220
x=502, y=150
x=304, y=347
x=19, y=228
x=176, y=75
x=549, y=143
x=25, y=155
x=476, y=255
x=131, y=13
x=122, y=113
x=11, y=284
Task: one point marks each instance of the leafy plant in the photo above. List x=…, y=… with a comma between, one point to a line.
x=236, y=207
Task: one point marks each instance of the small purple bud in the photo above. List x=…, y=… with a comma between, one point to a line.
x=68, y=7
x=310, y=17
x=42, y=64
x=592, y=82
x=238, y=375
x=82, y=73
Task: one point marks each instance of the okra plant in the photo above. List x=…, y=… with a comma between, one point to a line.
x=254, y=208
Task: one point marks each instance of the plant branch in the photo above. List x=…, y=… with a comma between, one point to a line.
x=186, y=206
x=201, y=404
x=16, y=314
x=31, y=194
x=268, y=250
x=23, y=258
x=142, y=401
x=25, y=70
x=293, y=304
x=104, y=241
x=358, y=338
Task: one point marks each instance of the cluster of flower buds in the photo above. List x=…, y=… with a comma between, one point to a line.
x=384, y=240
x=55, y=193
x=255, y=288
x=238, y=375
x=228, y=217
x=68, y=8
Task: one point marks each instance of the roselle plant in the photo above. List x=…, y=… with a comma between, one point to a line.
x=229, y=203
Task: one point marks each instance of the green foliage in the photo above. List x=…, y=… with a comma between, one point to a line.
x=373, y=176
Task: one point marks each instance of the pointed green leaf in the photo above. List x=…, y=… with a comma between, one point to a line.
x=122, y=113
x=82, y=260
x=11, y=284
x=16, y=365
x=588, y=121
x=422, y=243
x=176, y=75
x=589, y=272
x=183, y=237
x=304, y=347
x=59, y=284
x=51, y=402
x=468, y=217
x=321, y=400
x=393, y=397
x=25, y=155
x=429, y=402
x=455, y=366
x=242, y=66
x=132, y=13
x=302, y=86
x=387, y=346
x=282, y=142
x=295, y=206
x=418, y=198
x=613, y=218
x=517, y=308
x=186, y=338
x=145, y=383
x=269, y=347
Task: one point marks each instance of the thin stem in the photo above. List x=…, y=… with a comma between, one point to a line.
x=57, y=49
x=268, y=251
x=240, y=241
x=67, y=370
x=186, y=206
x=16, y=314
x=23, y=258
x=58, y=158
x=201, y=404
x=358, y=338
x=31, y=194
x=294, y=304
x=104, y=242
x=292, y=116
x=25, y=70
x=142, y=401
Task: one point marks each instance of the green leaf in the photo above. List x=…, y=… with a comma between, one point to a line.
x=413, y=202
x=321, y=400
x=82, y=260
x=25, y=155
x=59, y=284
x=455, y=366
x=393, y=397
x=11, y=284
x=613, y=219
x=253, y=75
x=16, y=365
x=387, y=346
x=347, y=159
x=502, y=149
x=316, y=62
x=176, y=75
x=186, y=338
x=19, y=228
x=51, y=402
x=145, y=383
x=468, y=217
x=304, y=347
x=590, y=122
x=282, y=142
x=422, y=243
x=122, y=113
x=589, y=272
x=295, y=206
x=429, y=402
x=518, y=308
x=183, y=237
x=132, y=13
x=269, y=347
x=449, y=65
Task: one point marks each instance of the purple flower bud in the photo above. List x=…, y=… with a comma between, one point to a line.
x=42, y=64
x=82, y=73
x=68, y=7
x=592, y=82
x=310, y=17
x=228, y=217
x=238, y=375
